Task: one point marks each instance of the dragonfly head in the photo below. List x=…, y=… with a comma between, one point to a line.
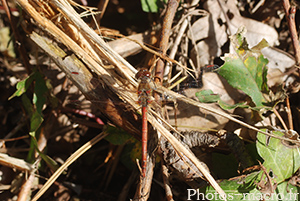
x=142, y=73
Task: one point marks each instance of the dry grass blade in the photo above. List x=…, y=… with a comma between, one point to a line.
x=128, y=99
x=111, y=55
x=68, y=162
x=93, y=60
x=16, y=163
x=180, y=97
x=184, y=152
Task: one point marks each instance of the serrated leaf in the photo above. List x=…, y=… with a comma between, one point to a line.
x=284, y=161
x=247, y=69
x=239, y=77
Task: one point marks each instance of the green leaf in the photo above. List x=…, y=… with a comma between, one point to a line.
x=132, y=149
x=238, y=189
x=22, y=86
x=226, y=106
x=130, y=153
x=283, y=194
x=207, y=96
x=283, y=160
x=118, y=136
x=40, y=92
x=39, y=98
x=244, y=189
x=151, y=6
x=239, y=77
x=247, y=69
x=27, y=104
x=225, y=166
x=49, y=161
x=35, y=121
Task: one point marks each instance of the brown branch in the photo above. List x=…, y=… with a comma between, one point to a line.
x=290, y=12
x=167, y=185
x=289, y=113
x=163, y=44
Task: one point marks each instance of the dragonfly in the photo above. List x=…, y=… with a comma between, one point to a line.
x=144, y=92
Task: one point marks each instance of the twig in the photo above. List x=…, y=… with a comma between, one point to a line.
x=167, y=185
x=196, y=50
x=68, y=162
x=280, y=119
x=110, y=54
x=16, y=129
x=168, y=69
x=158, y=54
x=83, y=113
x=163, y=44
x=218, y=112
x=15, y=163
x=102, y=6
x=25, y=190
x=289, y=113
x=144, y=186
x=123, y=195
x=290, y=12
x=185, y=153
x=183, y=26
x=115, y=162
x=86, y=83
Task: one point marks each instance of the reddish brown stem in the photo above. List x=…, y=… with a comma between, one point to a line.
x=84, y=113
x=290, y=12
x=144, y=140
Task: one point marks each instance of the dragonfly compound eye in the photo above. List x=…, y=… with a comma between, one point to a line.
x=142, y=73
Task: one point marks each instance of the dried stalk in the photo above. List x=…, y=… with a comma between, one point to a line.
x=109, y=84
x=290, y=13
x=68, y=162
